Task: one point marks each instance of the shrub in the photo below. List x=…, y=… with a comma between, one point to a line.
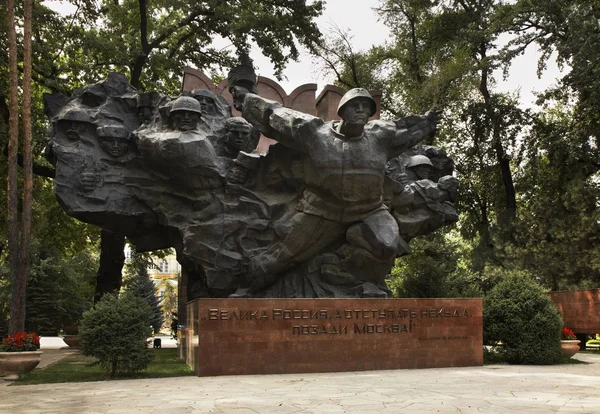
x=144, y=288
x=518, y=313
x=433, y=270
x=115, y=332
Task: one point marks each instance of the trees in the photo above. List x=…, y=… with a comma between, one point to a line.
x=115, y=332
x=59, y=290
x=151, y=42
x=529, y=181
x=143, y=287
x=519, y=313
x=18, y=302
x=560, y=176
x=19, y=238
x=169, y=302
x=435, y=269
x=63, y=259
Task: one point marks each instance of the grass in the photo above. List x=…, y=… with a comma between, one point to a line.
x=493, y=357
x=79, y=368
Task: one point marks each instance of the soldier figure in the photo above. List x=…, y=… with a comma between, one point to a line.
x=185, y=113
x=419, y=167
x=206, y=99
x=344, y=174
x=114, y=139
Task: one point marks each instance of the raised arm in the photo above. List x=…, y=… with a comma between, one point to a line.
x=413, y=129
x=291, y=128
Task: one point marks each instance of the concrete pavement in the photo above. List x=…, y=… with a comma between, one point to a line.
x=573, y=388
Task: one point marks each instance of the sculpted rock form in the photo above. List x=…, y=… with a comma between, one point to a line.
x=323, y=214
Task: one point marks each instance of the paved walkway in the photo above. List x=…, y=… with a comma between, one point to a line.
x=571, y=388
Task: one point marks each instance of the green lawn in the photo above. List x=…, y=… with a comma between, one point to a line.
x=79, y=368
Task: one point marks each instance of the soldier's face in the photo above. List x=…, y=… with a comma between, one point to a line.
x=422, y=171
x=185, y=120
x=74, y=129
x=207, y=104
x=115, y=147
x=238, y=135
x=357, y=111
x=144, y=114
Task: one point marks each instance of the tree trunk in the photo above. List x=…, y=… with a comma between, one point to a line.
x=507, y=179
x=503, y=161
x=112, y=258
x=17, y=304
x=24, y=253
x=113, y=370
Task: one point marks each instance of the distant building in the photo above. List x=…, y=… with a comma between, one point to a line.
x=164, y=271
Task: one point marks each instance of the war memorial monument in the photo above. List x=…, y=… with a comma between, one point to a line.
x=284, y=248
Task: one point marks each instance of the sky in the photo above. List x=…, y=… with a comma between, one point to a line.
x=362, y=21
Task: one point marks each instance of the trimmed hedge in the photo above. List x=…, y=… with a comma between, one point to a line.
x=518, y=313
x=115, y=331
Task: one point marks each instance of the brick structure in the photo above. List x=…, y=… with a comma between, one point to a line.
x=276, y=336
x=579, y=309
x=301, y=99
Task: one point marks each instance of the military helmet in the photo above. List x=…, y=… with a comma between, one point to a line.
x=186, y=103
x=416, y=160
x=243, y=75
x=113, y=131
x=204, y=92
x=357, y=93
x=76, y=115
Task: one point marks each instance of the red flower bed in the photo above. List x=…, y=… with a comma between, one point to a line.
x=20, y=342
x=567, y=334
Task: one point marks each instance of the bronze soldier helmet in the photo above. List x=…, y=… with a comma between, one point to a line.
x=113, y=131
x=186, y=103
x=357, y=93
x=416, y=160
x=76, y=115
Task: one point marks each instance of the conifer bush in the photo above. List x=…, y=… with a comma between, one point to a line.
x=519, y=316
x=115, y=332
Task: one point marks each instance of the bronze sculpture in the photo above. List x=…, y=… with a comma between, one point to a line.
x=323, y=214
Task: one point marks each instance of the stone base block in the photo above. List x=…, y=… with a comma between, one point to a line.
x=279, y=336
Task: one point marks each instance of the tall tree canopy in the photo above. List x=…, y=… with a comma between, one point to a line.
x=151, y=42
x=528, y=179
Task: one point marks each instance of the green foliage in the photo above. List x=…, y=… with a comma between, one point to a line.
x=351, y=69
x=152, y=41
x=518, y=313
x=143, y=287
x=559, y=220
x=434, y=270
x=169, y=302
x=78, y=368
x=115, y=331
x=4, y=302
x=63, y=263
x=59, y=289
x=529, y=182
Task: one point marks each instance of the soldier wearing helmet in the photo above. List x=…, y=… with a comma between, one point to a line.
x=114, y=139
x=207, y=101
x=74, y=123
x=420, y=167
x=185, y=113
x=355, y=109
x=344, y=167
